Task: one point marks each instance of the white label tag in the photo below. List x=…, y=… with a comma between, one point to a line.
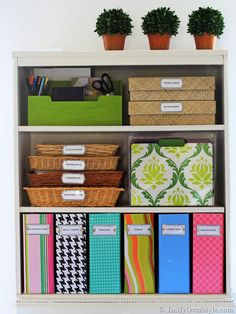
x=73, y=165
x=104, y=230
x=171, y=107
x=74, y=150
x=73, y=195
x=70, y=230
x=73, y=178
x=144, y=230
x=37, y=229
x=208, y=230
x=173, y=229
x=171, y=83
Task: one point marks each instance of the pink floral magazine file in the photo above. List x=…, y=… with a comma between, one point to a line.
x=208, y=253
x=38, y=253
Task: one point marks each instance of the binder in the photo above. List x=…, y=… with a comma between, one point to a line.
x=173, y=253
x=208, y=253
x=38, y=245
x=71, y=253
x=139, y=253
x=104, y=253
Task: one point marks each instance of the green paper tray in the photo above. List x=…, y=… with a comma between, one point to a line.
x=105, y=110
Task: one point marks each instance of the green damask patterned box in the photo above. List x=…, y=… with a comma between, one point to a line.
x=172, y=173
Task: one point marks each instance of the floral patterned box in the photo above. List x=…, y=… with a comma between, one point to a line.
x=172, y=175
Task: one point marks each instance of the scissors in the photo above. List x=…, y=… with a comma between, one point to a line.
x=104, y=85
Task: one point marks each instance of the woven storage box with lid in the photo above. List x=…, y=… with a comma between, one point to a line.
x=172, y=101
x=74, y=163
x=74, y=196
x=86, y=178
x=81, y=150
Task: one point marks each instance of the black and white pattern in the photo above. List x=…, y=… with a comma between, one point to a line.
x=71, y=256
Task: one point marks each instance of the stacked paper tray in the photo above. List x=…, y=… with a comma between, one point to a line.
x=172, y=101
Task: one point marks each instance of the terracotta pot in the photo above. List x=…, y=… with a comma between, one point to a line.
x=159, y=42
x=205, y=41
x=114, y=42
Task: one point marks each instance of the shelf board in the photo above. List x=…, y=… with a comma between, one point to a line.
x=125, y=57
x=122, y=128
x=127, y=298
x=210, y=209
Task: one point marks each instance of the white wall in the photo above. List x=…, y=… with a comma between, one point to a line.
x=50, y=24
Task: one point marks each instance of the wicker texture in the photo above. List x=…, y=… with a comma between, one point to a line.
x=188, y=107
x=56, y=163
x=189, y=83
x=172, y=95
x=90, y=149
x=92, y=178
x=46, y=197
x=173, y=119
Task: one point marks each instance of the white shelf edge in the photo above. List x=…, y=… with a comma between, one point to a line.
x=125, y=57
x=122, y=128
x=215, y=209
x=124, y=298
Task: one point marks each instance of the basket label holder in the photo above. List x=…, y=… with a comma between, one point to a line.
x=74, y=150
x=73, y=165
x=73, y=195
x=171, y=107
x=73, y=178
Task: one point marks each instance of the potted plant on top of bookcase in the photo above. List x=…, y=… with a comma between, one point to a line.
x=114, y=25
x=159, y=25
x=206, y=24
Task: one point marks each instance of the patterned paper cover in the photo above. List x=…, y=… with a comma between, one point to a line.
x=139, y=255
x=104, y=255
x=71, y=255
x=172, y=176
x=38, y=253
x=208, y=253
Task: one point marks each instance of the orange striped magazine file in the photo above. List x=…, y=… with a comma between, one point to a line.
x=139, y=253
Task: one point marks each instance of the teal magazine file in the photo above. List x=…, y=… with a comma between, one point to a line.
x=104, y=253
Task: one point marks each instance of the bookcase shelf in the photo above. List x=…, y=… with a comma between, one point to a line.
x=120, y=64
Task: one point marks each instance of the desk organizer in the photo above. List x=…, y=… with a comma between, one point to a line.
x=139, y=253
x=71, y=253
x=38, y=245
x=208, y=253
x=104, y=110
x=75, y=178
x=172, y=173
x=172, y=101
x=173, y=253
x=73, y=163
x=104, y=253
x=74, y=196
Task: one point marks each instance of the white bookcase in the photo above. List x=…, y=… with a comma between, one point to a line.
x=121, y=65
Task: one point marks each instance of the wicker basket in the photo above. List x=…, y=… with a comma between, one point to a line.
x=61, y=197
x=166, y=108
x=77, y=164
x=173, y=119
x=173, y=95
x=87, y=178
x=164, y=83
x=82, y=150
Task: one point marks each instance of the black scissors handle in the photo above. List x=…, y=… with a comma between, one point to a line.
x=105, y=85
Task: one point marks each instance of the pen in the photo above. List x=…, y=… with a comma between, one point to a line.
x=31, y=83
x=41, y=86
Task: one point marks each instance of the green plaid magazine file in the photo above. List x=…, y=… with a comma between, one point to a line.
x=172, y=175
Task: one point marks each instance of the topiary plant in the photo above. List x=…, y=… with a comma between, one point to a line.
x=113, y=21
x=206, y=20
x=161, y=21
